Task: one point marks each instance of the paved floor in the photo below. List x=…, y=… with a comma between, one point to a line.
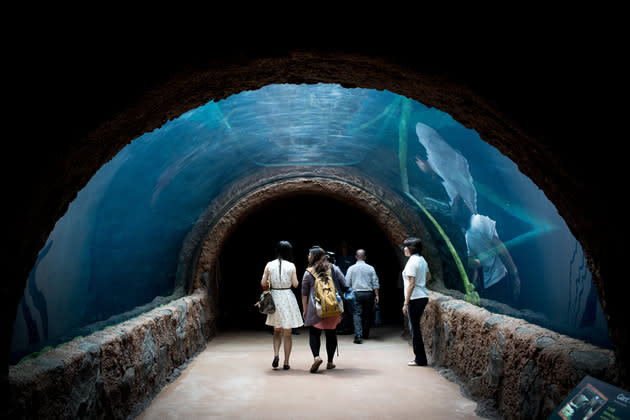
x=233, y=378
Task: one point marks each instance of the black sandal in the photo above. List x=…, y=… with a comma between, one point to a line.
x=274, y=364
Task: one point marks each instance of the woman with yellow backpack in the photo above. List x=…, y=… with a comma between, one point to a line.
x=322, y=285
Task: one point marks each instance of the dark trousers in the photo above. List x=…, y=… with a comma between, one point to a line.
x=503, y=291
x=314, y=340
x=364, y=313
x=415, y=310
x=498, y=292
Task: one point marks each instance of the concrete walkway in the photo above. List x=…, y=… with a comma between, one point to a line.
x=233, y=378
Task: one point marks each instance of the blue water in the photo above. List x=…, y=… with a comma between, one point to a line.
x=117, y=247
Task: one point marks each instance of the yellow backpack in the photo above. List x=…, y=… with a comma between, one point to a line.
x=326, y=299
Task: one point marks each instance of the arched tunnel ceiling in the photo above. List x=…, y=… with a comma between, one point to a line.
x=487, y=95
x=390, y=212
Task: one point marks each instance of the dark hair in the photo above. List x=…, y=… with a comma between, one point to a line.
x=414, y=245
x=318, y=259
x=284, y=250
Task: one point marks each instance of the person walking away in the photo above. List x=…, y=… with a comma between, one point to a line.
x=318, y=261
x=281, y=275
x=415, y=277
x=344, y=261
x=362, y=278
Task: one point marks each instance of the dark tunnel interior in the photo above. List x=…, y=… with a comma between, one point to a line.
x=303, y=220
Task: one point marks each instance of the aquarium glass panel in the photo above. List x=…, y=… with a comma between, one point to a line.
x=114, y=254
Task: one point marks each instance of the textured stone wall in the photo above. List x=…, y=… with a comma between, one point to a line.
x=116, y=372
x=526, y=370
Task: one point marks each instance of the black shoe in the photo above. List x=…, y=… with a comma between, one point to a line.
x=274, y=364
x=318, y=361
x=357, y=340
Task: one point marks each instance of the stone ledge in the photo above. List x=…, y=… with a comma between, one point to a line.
x=115, y=372
x=525, y=369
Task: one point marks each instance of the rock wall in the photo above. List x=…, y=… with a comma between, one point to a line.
x=526, y=370
x=116, y=372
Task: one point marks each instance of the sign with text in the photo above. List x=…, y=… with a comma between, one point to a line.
x=594, y=399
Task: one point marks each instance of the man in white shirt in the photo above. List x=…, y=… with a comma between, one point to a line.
x=362, y=277
x=489, y=259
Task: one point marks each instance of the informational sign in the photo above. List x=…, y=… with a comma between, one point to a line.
x=594, y=399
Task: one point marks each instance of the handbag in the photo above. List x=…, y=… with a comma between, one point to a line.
x=265, y=301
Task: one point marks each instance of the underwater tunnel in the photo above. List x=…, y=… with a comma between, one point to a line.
x=318, y=164
x=181, y=208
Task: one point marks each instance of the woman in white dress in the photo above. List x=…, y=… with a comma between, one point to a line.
x=280, y=273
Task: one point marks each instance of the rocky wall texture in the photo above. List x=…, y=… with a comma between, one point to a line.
x=525, y=370
x=116, y=372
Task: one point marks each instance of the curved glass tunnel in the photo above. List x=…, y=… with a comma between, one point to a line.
x=115, y=253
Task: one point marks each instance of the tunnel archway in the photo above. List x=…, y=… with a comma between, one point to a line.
x=394, y=216
x=209, y=255
x=561, y=179
x=304, y=220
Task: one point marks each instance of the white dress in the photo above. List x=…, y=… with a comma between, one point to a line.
x=287, y=314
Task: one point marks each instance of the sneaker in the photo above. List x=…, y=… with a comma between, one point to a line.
x=318, y=361
x=413, y=363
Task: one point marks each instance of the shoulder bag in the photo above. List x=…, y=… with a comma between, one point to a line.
x=265, y=301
